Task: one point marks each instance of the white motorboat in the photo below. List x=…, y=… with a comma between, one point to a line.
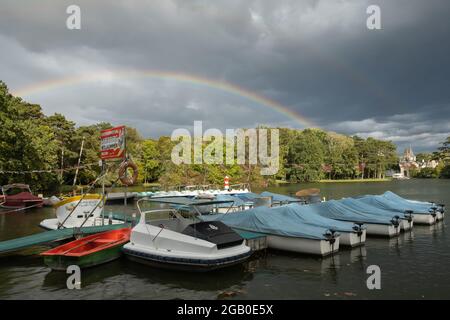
x=194, y=191
x=174, y=240
x=281, y=230
x=74, y=212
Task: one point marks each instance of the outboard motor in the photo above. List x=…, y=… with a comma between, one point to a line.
x=442, y=207
x=408, y=215
x=433, y=212
x=331, y=237
x=358, y=228
x=395, y=221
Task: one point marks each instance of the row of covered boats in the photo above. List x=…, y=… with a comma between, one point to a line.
x=209, y=231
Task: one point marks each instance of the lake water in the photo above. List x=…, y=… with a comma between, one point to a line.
x=414, y=266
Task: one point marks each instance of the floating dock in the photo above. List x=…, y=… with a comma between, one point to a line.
x=51, y=236
x=256, y=241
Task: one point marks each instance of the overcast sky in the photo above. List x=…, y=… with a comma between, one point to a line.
x=317, y=58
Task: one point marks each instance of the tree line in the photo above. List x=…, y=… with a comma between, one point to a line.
x=30, y=140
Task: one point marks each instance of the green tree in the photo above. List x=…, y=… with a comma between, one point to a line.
x=305, y=157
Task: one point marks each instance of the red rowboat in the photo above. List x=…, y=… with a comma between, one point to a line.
x=89, y=251
x=19, y=196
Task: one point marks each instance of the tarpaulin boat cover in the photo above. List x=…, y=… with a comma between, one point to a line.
x=395, y=197
x=275, y=221
x=334, y=209
x=279, y=197
x=382, y=202
x=304, y=214
x=369, y=209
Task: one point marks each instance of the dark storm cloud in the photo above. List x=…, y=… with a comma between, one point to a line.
x=315, y=57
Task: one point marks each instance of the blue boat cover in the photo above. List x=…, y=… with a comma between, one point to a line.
x=395, y=197
x=369, y=209
x=334, y=209
x=304, y=214
x=275, y=221
x=384, y=203
x=279, y=197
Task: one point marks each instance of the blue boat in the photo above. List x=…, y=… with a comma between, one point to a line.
x=421, y=214
x=281, y=232
x=406, y=218
x=376, y=225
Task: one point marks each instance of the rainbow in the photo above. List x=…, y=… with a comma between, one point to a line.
x=165, y=75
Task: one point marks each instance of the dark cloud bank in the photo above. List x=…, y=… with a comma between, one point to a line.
x=315, y=57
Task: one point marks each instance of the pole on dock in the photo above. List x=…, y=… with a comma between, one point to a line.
x=126, y=159
x=78, y=166
x=103, y=163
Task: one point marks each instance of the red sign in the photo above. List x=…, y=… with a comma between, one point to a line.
x=113, y=143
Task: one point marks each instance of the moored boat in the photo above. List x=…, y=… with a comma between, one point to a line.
x=428, y=206
x=82, y=210
x=406, y=218
x=175, y=241
x=18, y=195
x=375, y=225
x=421, y=214
x=282, y=232
x=89, y=251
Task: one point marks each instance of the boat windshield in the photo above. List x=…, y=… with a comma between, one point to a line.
x=13, y=189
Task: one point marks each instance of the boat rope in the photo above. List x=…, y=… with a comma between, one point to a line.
x=61, y=225
x=18, y=209
x=103, y=200
x=48, y=170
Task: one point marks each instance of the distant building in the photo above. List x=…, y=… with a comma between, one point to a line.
x=409, y=162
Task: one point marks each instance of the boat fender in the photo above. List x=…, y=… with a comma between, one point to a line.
x=128, y=181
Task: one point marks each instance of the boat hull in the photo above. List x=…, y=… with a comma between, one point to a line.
x=382, y=230
x=426, y=219
x=183, y=264
x=406, y=225
x=60, y=262
x=303, y=245
x=351, y=239
x=52, y=224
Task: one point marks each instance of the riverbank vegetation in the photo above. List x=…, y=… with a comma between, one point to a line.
x=35, y=147
x=441, y=156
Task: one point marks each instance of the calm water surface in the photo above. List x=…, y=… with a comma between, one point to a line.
x=414, y=266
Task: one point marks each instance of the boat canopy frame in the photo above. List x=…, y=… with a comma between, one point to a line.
x=23, y=186
x=180, y=201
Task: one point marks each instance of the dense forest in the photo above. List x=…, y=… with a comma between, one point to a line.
x=31, y=141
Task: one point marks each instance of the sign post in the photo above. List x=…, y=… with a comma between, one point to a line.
x=113, y=146
x=113, y=143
